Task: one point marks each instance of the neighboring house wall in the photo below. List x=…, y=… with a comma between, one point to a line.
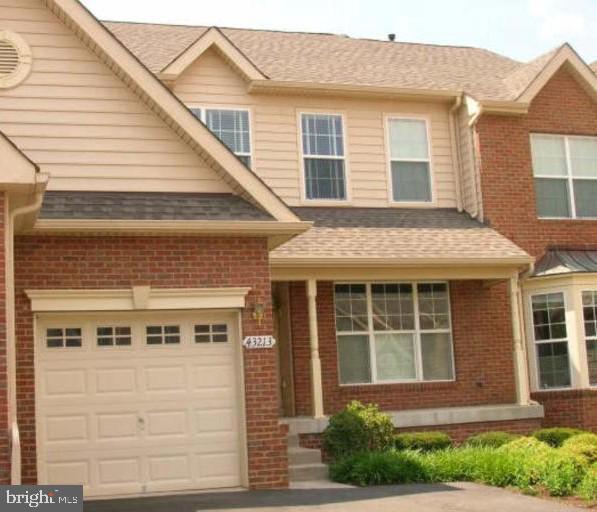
x=80, y=123
x=168, y=262
x=562, y=107
x=482, y=341
x=276, y=138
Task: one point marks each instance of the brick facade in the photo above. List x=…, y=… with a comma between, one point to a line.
x=561, y=107
x=481, y=326
x=184, y=262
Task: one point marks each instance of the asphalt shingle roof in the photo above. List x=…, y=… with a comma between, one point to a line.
x=336, y=59
x=396, y=234
x=148, y=206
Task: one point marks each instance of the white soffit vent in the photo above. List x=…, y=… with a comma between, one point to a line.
x=15, y=59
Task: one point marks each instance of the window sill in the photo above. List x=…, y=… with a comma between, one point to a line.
x=413, y=383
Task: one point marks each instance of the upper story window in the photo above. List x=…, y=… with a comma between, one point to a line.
x=565, y=171
x=232, y=127
x=410, y=165
x=323, y=156
x=393, y=332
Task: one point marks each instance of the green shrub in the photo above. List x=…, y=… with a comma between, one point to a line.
x=423, y=441
x=358, y=428
x=556, y=436
x=491, y=439
x=587, y=489
x=583, y=446
x=378, y=468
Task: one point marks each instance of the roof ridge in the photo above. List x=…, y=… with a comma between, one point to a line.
x=329, y=34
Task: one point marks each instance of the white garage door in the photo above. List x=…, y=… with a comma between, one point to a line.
x=139, y=403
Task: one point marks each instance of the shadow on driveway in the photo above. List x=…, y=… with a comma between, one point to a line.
x=261, y=500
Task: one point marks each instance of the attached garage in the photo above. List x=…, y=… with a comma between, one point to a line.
x=129, y=403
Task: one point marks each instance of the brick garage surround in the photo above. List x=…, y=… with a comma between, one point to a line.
x=509, y=205
x=481, y=327
x=183, y=262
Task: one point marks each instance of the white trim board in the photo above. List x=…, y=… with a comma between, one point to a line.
x=137, y=298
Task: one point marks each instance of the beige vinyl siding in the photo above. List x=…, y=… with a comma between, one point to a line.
x=81, y=124
x=466, y=146
x=210, y=81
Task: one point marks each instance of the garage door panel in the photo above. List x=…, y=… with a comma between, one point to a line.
x=136, y=419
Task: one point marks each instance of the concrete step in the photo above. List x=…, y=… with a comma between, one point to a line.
x=300, y=455
x=293, y=441
x=305, y=472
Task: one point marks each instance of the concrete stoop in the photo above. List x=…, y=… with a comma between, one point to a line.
x=304, y=464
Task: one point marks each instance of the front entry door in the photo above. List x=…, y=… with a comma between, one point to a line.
x=282, y=332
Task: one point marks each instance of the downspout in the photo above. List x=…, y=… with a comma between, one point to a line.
x=455, y=140
x=476, y=171
x=11, y=349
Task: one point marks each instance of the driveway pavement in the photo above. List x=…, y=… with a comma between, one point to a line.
x=461, y=497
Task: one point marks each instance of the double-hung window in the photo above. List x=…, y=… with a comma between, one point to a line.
x=232, y=127
x=410, y=165
x=551, y=340
x=565, y=171
x=589, y=304
x=323, y=156
x=393, y=332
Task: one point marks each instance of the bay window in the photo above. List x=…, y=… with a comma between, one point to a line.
x=323, y=156
x=393, y=332
x=551, y=340
x=410, y=166
x=589, y=303
x=231, y=127
x=565, y=172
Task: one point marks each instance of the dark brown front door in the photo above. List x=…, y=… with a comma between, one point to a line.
x=283, y=335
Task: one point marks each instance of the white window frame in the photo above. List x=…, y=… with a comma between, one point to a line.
x=388, y=150
x=586, y=337
x=370, y=333
x=550, y=341
x=203, y=119
x=569, y=178
x=303, y=179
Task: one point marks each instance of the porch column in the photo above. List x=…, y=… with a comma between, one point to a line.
x=316, y=387
x=520, y=361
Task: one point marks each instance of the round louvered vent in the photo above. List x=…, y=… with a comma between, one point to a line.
x=15, y=59
x=9, y=58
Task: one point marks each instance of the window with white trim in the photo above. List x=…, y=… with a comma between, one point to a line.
x=64, y=337
x=565, y=171
x=323, y=156
x=589, y=304
x=551, y=340
x=232, y=127
x=113, y=336
x=211, y=333
x=393, y=332
x=410, y=164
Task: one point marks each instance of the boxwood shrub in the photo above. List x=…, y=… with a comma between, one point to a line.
x=556, y=436
x=582, y=445
x=358, y=428
x=491, y=439
x=423, y=441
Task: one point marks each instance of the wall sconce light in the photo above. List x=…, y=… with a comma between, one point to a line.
x=258, y=313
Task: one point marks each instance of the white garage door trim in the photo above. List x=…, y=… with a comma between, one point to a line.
x=91, y=357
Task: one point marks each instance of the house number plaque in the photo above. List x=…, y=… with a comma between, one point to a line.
x=259, y=341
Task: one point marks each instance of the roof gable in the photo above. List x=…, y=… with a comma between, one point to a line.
x=212, y=38
x=154, y=94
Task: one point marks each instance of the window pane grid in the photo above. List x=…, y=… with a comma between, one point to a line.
x=64, y=337
x=589, y=303
x=387, y=315
x=551, y=344
x=162, y=334
x=211, y=333
x=323, y=156
x=111, y=336
x=565, y=172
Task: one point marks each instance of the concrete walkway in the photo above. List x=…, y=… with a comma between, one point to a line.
x=462, y=497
